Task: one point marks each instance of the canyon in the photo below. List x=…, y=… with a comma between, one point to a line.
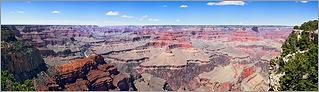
x=153, y=57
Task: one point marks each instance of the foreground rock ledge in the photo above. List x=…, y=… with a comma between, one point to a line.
x=91, y=73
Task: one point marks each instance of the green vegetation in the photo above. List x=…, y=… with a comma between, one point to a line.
x=301, y=70
x=10, y=44
x=296, y=27
x=309, y=26
x=8, y=83
x=7, y=34
x=290, y=46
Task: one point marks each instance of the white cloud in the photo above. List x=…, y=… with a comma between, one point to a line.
x=143, y=17
x=126, y=16
x=211, y=3
x=304, y=1
x=183, y=6
x=152, y=19
x=20, y=12
x=226, y=3
x=177, y=20
x=55, y=12
x=112, y=13
x=147, y=18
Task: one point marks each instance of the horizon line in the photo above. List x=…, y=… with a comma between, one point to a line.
x=163, y=24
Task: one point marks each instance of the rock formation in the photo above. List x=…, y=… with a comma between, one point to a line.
x=91, y=73
x=22, y=60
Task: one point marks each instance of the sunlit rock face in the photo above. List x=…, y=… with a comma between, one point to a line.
x=91, y=73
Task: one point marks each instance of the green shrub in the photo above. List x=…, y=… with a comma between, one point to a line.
x=8, y=83
x=301, y=70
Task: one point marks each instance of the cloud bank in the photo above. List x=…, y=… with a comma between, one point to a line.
x=112, y=13
x=127, y=16
x=183, y=6
x=241, y=3
x=20, y=12
x=55, y=12
x=304, y=1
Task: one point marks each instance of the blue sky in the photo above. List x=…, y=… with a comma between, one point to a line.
x=161, y=13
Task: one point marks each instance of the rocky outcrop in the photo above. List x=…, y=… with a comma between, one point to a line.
x=99, y=80
x=46, y=83
x=46, y=52
x=148, y=82
x=79, y=85
x=91, y=73
x=22, y=60
x=121, y=81
x=182, y=77
x=247, y=72
x=105, y=67
x=42, y=35
x=78, y=69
